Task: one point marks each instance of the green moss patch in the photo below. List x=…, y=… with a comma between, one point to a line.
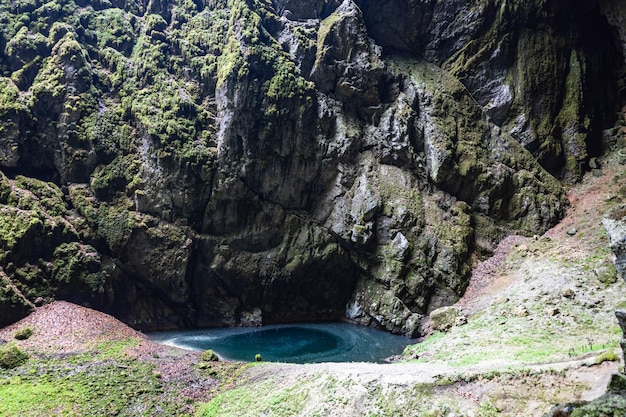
x=11, y=356
x=24, y=333
x=261, y=398
x=78, y=265
x=16, y=224
x=90, y=388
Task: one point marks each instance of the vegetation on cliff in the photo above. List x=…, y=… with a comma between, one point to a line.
x=185, y=163
x=242, y=162
x=539, y=330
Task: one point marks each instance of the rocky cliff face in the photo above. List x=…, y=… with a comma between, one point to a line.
x=182, y=163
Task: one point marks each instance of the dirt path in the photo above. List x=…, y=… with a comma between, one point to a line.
x=409, y=374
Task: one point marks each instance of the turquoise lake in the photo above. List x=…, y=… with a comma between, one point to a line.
x=295, y=343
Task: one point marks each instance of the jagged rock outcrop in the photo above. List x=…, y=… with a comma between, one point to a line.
x=615, y=227
x=616, y=16
x=621, y=319
x=504, y=53
x=247, y=162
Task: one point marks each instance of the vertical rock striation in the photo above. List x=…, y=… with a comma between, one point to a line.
x=238, y=162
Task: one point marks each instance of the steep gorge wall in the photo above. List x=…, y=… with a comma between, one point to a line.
x=183, y=163
x=539, y=69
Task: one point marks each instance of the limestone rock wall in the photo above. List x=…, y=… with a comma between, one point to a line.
x=245, y=162
x=506, y=52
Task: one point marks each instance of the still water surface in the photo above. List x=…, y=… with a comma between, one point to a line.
x=296, y=343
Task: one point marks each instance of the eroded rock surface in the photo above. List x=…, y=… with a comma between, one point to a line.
x=246, y=162
x=616, y=230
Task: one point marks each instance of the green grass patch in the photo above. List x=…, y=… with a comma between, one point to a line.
x=115, y=349
x=266, y=398
x=54, y=387
x=608, y=356
x=418, y=348
x=102, y=382
x=536, y=354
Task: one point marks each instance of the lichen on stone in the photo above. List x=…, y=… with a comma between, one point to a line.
x=287, y=158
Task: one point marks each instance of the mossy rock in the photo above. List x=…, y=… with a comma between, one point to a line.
x=113, y=178
x=609, y=405
x=114, y=29
x=209, y=356
x=618, y=382
x=11, y=356
x=5, y=188
x=444, y=318
x=13, y=306
x=10, y=102
x=16, y=226
x=112, y=222
x=77, y=264
x=24, y=333
x=26, y=46
x=48, y=197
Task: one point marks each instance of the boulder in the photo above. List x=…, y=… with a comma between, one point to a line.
x=616, y=230
x=621, y=319
x=444, y=318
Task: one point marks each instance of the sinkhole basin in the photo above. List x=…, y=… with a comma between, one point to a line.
x=294, y=343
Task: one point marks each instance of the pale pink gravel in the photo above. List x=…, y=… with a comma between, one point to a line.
x=487, y=271
x=69, y=328
x=64, y=328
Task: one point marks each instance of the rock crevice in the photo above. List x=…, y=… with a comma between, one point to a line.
x=248, y=162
